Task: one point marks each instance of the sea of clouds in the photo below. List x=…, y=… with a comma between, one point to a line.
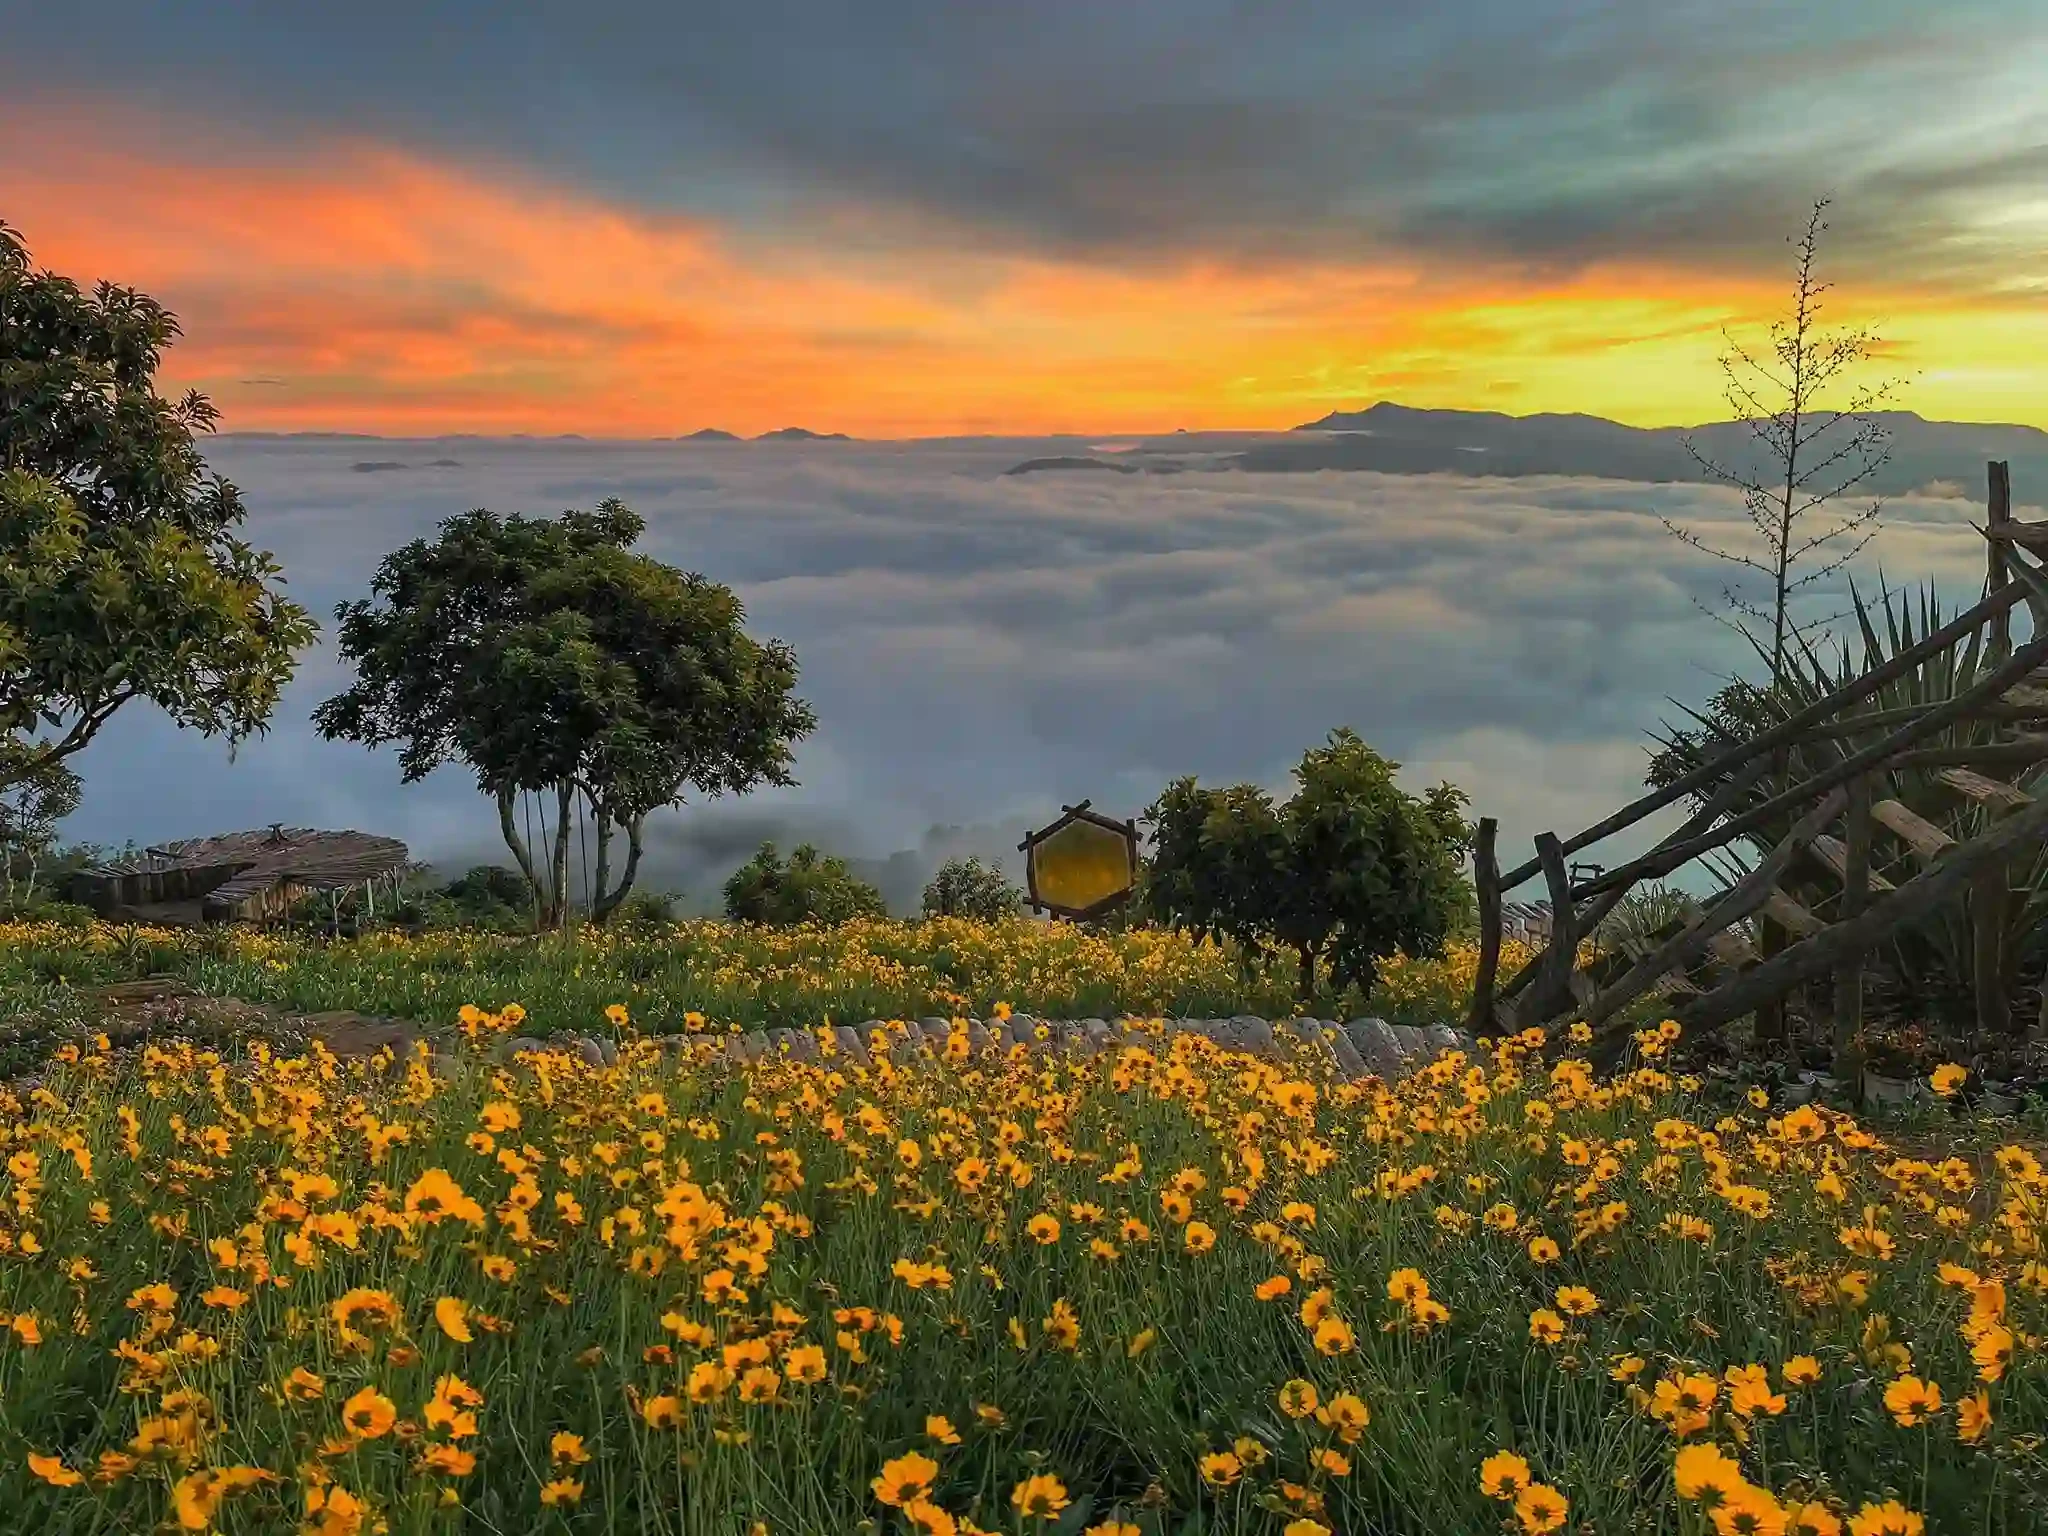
x=982, y=649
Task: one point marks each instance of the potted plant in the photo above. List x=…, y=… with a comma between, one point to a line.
x=1891, y=1065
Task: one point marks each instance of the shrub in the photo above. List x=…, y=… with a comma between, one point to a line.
x=810, y=888
x=969, y=888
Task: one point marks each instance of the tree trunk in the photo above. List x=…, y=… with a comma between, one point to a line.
x=558, y=897
x=608, y=902
x=521, y=854
x=1307, y=952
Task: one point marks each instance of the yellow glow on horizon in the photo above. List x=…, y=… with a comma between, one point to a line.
x=369, y=290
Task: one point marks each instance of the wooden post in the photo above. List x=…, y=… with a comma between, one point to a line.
x=1998, y=512
x=1848, y=1057
x=1987, y=948
x=1486, y=878
x=1988, y=896
x=1771, y=1033
x=1553, y=986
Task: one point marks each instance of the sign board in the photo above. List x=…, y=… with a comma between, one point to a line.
x=1082, y=865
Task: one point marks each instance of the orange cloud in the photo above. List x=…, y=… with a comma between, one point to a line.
x=361, y=288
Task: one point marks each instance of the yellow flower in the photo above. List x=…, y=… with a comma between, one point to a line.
x=567, y=1449
x=1273, y=1287
x=559, y=1491
x=1890, y=1518
x=804, y=1363
x=663, y=1412
x=303, y=1385
x=369, y=1414
x=1140, y=1342
x=1973, y=1416
x=909, y=1477
x=1704, y=1471
x=940, y=1428
x=1503, y=1475
x=1043, y=1228
x=1041, y=1496
x=52, y=1470
x=1198, y=1237
x=452, y=1316
x=450, y=1460
x=1540, y=1508
x=1577, y=1301
x=1947, y=1078
x=1545, y=1326
x=1220, y=1469
x=1346, y=1416
x=1800, y=1371
x=1543, y=1250
x=1297, y=1398
x=1911, y=1400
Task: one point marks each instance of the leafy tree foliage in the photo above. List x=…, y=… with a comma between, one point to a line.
x=1351, y=868
x=548, y=656
x=810, y=888
x=969, y=888
x=30, y=807
x=123, y=579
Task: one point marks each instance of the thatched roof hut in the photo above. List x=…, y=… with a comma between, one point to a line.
x=236, y=876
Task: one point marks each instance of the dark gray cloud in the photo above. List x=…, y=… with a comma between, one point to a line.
x=982, y=649
x=1541, y=133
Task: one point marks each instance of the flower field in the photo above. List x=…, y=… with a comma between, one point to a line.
x=1164, y=1289
x=697, y=974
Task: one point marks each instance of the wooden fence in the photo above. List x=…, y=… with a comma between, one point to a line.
x=1795, y=946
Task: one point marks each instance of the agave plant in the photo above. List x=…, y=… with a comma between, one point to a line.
x=1931, y=967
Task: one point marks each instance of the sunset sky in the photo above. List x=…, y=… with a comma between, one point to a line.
x=919, y=217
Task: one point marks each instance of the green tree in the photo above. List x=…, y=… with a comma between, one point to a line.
x=810, y=888
x=1352, y=869
x=552, y=659
x=123, y=579
x=969, y=888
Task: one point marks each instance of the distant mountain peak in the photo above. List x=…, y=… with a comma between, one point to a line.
x=712, y=435
x=801, y=435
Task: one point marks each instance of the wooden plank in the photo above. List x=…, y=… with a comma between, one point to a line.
x=2032, y=537
x=1998, y=572
x=1712, y=928
x=1925, y=839
x=2027, y=697
x=1733, y=949
x=1669, y=857
x=1910, y=903
x=1831, y=852
x=1849, y=971
x=1986, y=792
x=1790, y=915
x=1559, y=960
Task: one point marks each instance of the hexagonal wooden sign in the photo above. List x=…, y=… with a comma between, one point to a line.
x=1082, y=865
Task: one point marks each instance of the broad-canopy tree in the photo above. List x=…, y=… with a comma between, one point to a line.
x=123, y=579
x=811, y=888
x=1352, y=869
x=550, y=657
